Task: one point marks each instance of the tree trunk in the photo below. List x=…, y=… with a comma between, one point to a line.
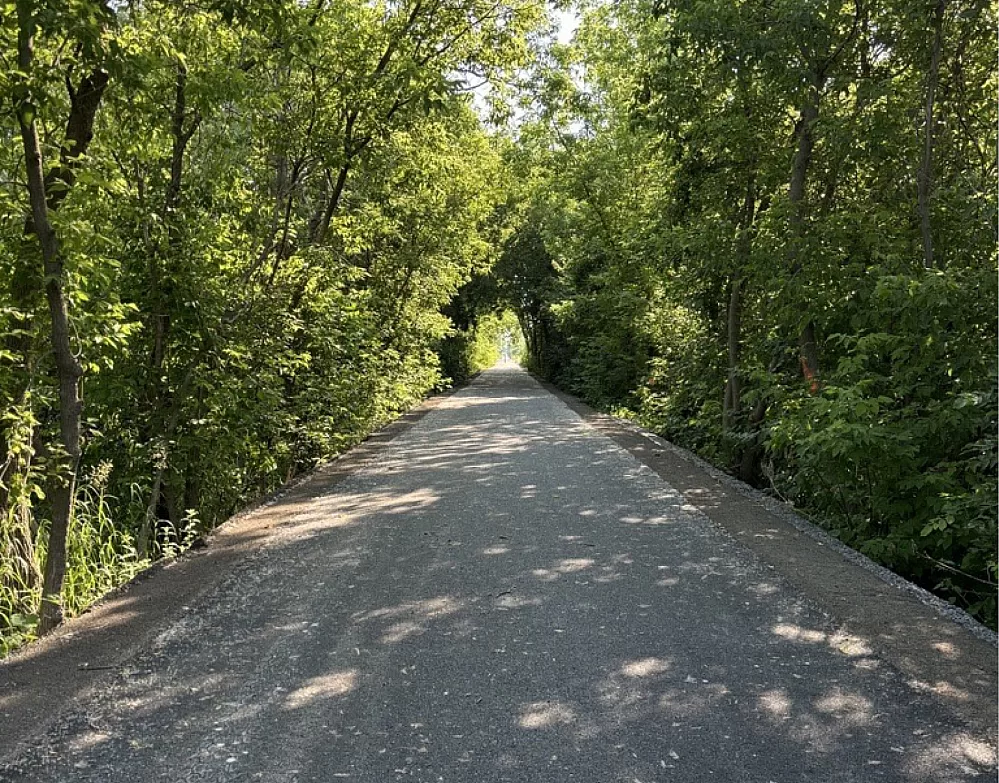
x=25, y=291
x=733, y=388
x=143, y=543
x=84, y=105
x=805, y=130
x=183, y=126
x=69, y=372
x=182, y=131
x=808, y=355
x=925, y=176
x=332, y=205
x=749, y=465
x=731, y=407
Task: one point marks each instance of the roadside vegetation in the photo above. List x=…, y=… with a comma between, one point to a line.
x=228, y=233
x=768, y=232
x=236, y=237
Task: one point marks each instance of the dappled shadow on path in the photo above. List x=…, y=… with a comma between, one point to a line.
x=506, y=596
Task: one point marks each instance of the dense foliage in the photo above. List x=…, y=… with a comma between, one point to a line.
x=246, y=221
x=767, y=230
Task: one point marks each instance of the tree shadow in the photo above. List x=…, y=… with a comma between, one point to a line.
x=511, y=602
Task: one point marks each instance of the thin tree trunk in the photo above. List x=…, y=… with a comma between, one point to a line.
x=733, y=388
x=808, y=353
x=733, y=392
x=182, y=131
x=150, y=519
x=925, y=176
x=749, y=465
x=68, y=372
x=183, y=126
x=25, y=289
x=808, y=347
x=332, y=205
x=68, y=368
x=805, y=131
x=808, y=356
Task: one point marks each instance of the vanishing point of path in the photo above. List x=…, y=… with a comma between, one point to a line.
x=501, y=594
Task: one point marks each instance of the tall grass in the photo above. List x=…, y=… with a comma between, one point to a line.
x=99, y=557
x=20, y=591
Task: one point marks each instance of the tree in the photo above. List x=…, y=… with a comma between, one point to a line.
x=46, y=191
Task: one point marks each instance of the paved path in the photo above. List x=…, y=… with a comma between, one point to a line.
x=503, y=595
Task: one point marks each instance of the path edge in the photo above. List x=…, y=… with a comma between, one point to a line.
x=914, y=658
x=40, y=681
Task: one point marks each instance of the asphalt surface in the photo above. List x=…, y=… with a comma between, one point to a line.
x=503, y=595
